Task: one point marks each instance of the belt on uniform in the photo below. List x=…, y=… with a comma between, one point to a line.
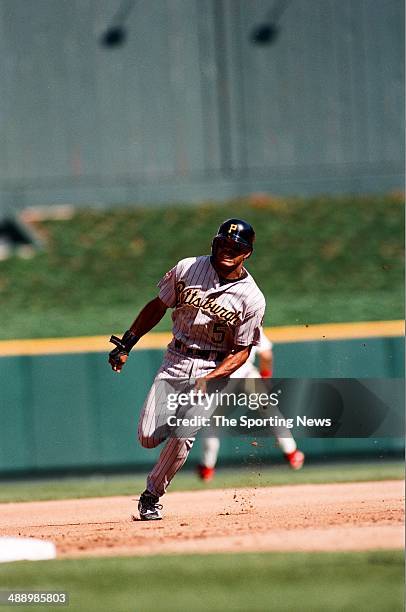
x=195, y=352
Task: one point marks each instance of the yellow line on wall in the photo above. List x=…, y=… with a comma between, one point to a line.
x=336, y=331
x=289, y=333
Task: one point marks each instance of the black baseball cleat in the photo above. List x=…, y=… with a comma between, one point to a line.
x=149, y=508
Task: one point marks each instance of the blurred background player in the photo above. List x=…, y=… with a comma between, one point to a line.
x=287, y=443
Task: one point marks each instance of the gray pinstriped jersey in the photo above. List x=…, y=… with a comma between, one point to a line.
x=207, y=314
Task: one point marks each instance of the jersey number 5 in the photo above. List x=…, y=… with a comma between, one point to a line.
x=219, y=334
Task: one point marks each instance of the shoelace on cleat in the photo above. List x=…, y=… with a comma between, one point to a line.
x=149, y=503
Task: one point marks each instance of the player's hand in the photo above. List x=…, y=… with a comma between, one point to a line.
x=117, y=359
x=201, y=385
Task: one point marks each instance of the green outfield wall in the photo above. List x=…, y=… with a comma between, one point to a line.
x=70, y=412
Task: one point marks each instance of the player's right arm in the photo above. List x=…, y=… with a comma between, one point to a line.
x=149, y=316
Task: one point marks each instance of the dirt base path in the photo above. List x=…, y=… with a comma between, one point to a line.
x=336, y=517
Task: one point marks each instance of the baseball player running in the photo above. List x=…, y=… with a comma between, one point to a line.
x=287, y=443
x=217, y=314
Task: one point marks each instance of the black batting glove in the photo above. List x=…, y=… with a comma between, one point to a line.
x=119, y=355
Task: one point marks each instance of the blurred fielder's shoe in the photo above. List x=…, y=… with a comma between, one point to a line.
x=205, y=473
x=149, y=508
x=295, y=459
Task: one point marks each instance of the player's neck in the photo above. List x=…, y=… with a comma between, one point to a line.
x=234, y=275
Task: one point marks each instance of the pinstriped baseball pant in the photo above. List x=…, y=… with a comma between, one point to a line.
x=152, y=426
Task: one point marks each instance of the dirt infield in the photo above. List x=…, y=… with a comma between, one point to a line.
x=337, y=517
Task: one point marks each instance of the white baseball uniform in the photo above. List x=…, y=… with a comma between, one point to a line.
x=210, y=316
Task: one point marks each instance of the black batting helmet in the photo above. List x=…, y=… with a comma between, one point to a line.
x=238, y=230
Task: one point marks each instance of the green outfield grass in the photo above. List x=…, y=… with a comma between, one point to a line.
x=99, y=319
x=250, y=476
x=317, y=260
x=299, y=582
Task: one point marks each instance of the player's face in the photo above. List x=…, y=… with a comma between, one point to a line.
x=230, y=255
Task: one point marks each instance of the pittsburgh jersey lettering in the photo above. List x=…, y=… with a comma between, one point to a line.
x=190, y=296
x=201, y=303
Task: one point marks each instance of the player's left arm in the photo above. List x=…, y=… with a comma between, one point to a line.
x=247, y=334
x=230, y=363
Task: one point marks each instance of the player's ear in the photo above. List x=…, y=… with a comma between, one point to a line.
x=247, y=255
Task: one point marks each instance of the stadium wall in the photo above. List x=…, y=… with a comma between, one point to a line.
x=70, y=413
x=189, y=109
